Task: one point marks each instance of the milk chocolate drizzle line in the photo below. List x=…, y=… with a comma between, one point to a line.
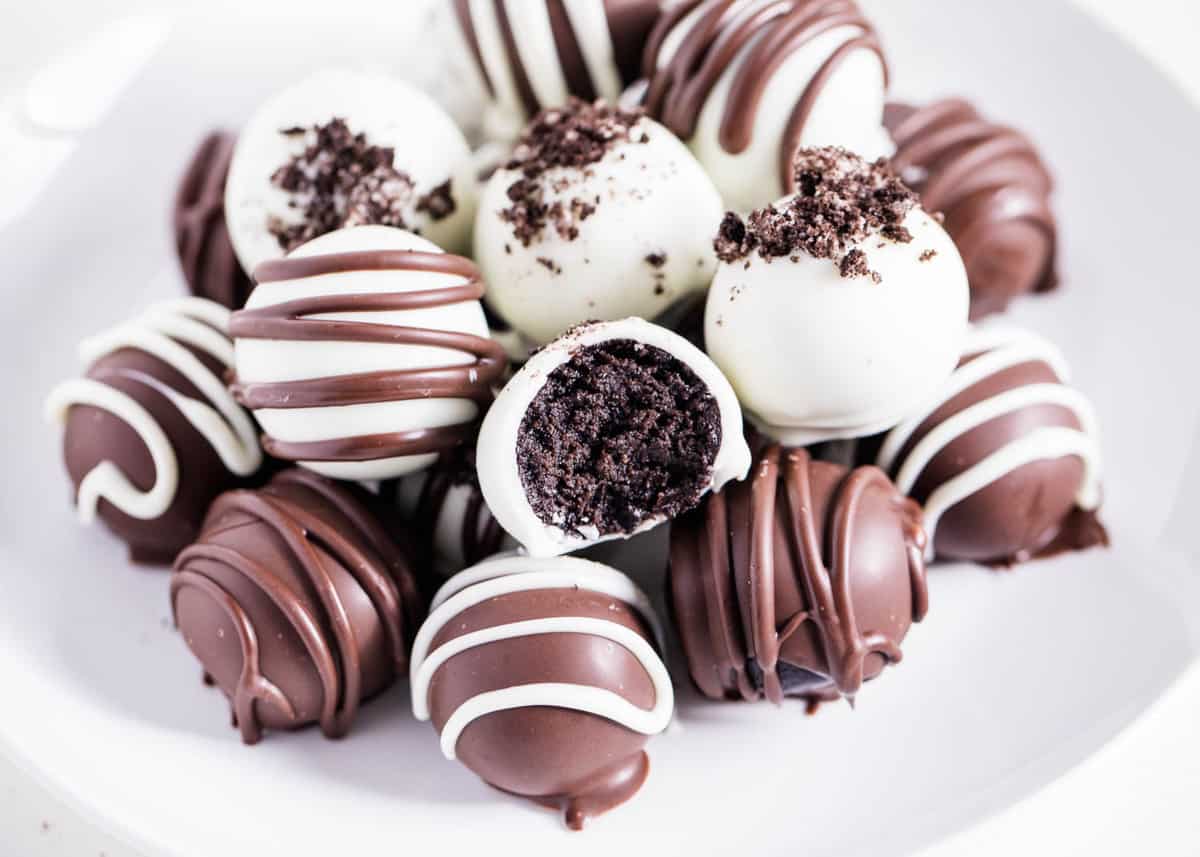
x=338, y=660
x=679, y=91
x=740, y=576
x=291, y=321
x=976, y=172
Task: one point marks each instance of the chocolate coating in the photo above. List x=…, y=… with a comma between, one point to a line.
x=1023, y=441
x=801, y=581
x=551, y=742
x=994, y=189
x=201, y=235
x=297, y=602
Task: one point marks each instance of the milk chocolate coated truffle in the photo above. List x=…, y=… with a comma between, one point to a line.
x=343, y=149
x=839, y=309
x=397, y=377
x=1005, y=458
x=151, y=434
x=994, y=190
x=801, y=581
x=747, y=82
x=297, y=602
x=544, y=678
x=206, y=255
x=521, y=56
x=608, y=431
x=600, y=214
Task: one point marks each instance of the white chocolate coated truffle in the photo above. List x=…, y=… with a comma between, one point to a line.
x=497, y=453
x=831, y=70
x=428, y=148
x=815, y=356
x=332, y=343
x=646, y=244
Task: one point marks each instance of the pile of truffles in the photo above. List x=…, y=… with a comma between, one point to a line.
x=709, y=278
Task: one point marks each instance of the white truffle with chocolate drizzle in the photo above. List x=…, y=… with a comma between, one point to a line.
x=508, y=59
x=365, y=353
x=600, y=214
x=382, y=151
x=838, y=310
x=608, y=431
x=747, y=82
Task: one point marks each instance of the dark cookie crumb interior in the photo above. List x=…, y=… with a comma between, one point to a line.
x=620, y=433
x=573, y=136
x=342, y=180
x=840, y=200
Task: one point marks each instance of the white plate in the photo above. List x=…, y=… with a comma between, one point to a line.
x=1013, y=679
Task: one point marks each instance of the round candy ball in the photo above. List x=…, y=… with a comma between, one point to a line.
x=747, y=82
x=600, y=214
x=838, y=310
x=365, y=353
x=345, y=148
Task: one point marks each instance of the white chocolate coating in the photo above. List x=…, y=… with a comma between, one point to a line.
x=273, y=360
x=496, y=452
x=428, y=146
x=451, y=518
x=502, y=115
x=505, y=575
x=815, y=356
x=999, y=348
x=847, y=113
x=654, y=198
x=162, y=331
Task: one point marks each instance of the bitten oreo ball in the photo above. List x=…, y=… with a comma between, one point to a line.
x=994, y=190
x=839, y=309
x=206, y=255
x=747, y=82
x=343, y=149
x=1005, y=458
x=298, y=603
x=801, y=581
x=545, y=678
x=608, y=431
x=365, y=353
x=151, y=434
x=599, y=214
x=517, y=57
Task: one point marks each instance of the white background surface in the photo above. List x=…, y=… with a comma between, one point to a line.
x=1137, y=795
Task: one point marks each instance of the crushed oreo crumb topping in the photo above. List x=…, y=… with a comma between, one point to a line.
x=620, y=433
x=928, y=255
x=342, y=180
x=571, y=137
x=840, y=201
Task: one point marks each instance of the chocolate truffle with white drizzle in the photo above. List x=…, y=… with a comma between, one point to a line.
x=151, y=434
x=365, y=353
x=747, y=82
x=545, y=678
x=801, y=581
x=1005, y=458
x=608, y=431
x=994, y=189
x=298, y=603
